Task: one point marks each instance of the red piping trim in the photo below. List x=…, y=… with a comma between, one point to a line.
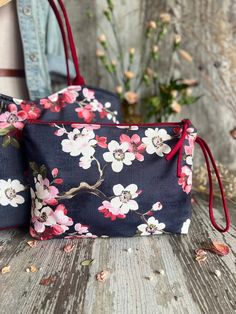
x=208, y=155
x=30, y=121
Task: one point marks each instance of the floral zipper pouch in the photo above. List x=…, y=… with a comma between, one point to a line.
x=78, y=103
x=103, y=180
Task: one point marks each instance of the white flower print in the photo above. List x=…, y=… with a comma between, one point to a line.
x=85, y=162
x=118, y=155
x=124, y=199
x=80, y=142
x=185, y=227
x=155, y=141
x=8, y=193
x=151, y=227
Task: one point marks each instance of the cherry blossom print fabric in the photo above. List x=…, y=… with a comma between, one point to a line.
x=102, y=180
x=77, y=103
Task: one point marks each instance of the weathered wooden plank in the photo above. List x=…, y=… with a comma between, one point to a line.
x=186, y=287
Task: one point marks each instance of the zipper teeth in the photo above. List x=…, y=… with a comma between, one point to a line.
x=105, y=124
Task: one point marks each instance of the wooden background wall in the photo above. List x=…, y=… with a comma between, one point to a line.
x=208, y=29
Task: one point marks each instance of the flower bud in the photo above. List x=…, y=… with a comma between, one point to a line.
x=152, y=25
x=165, y=17
x=131, y=97
x=102, y=38
x=129, y=75
x=119, y=90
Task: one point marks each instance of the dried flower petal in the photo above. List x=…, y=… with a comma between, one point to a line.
x=47, y=281
x=219, y=248
x=6, y=269
x=102, y=276
x=87, y=262
x=69, y=248
x=129, y=250
x=32, y=243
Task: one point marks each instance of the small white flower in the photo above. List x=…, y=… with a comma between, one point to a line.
x=189, y=160
x=85, y=162
x=8, y=193
x=157, y=206
x=109, y=116
x=155, y=141
x=118, y=155
x=152, y=227
x=80, y=142
x=185, y=227
x=107, y=105
x=124, y=199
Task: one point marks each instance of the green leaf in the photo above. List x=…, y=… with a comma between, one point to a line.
x=4, y=131
x=6, y=141
x=87, y=262
x=43, y=171
x=15, y=143
x=34, y=167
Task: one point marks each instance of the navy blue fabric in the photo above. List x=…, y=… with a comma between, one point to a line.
x=12, y=159
x=160, y=194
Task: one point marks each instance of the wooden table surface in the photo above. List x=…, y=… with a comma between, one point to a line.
x=133, y=285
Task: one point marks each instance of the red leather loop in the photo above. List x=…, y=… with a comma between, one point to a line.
x=209, y=157
x=79, y=80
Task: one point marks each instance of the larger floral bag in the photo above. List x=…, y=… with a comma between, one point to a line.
x=104, y=180
x=76, y=102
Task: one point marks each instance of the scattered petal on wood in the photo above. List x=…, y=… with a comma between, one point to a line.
x=161, y=272
x=219, y=248
x=201, y=255
x=32, y=243
x=149, y=278
x=129, y=250
x=217, y=273
x=69, y=248
x=32, y=269
x=47, y=281
x=6, y=269
x=102, y=276
x=87, y=262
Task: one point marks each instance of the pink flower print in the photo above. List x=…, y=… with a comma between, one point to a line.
x=85, y=113
x=185, y=179
x=135, y=145
x=81, y=229
x=88, y=94
x=55, y=172
x=188, y=150
x=12, y=117
x=45, y=191
x=110, y=212
x=43, y=218
x=32, y=111
x=101, y=141
x=61, y=217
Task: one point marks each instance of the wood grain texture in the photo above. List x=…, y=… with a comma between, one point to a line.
x=186, y=286
x=208, y=33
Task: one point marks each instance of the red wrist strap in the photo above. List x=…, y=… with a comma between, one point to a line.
x=79, y=79
x=209, y=157
x=178, y=148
